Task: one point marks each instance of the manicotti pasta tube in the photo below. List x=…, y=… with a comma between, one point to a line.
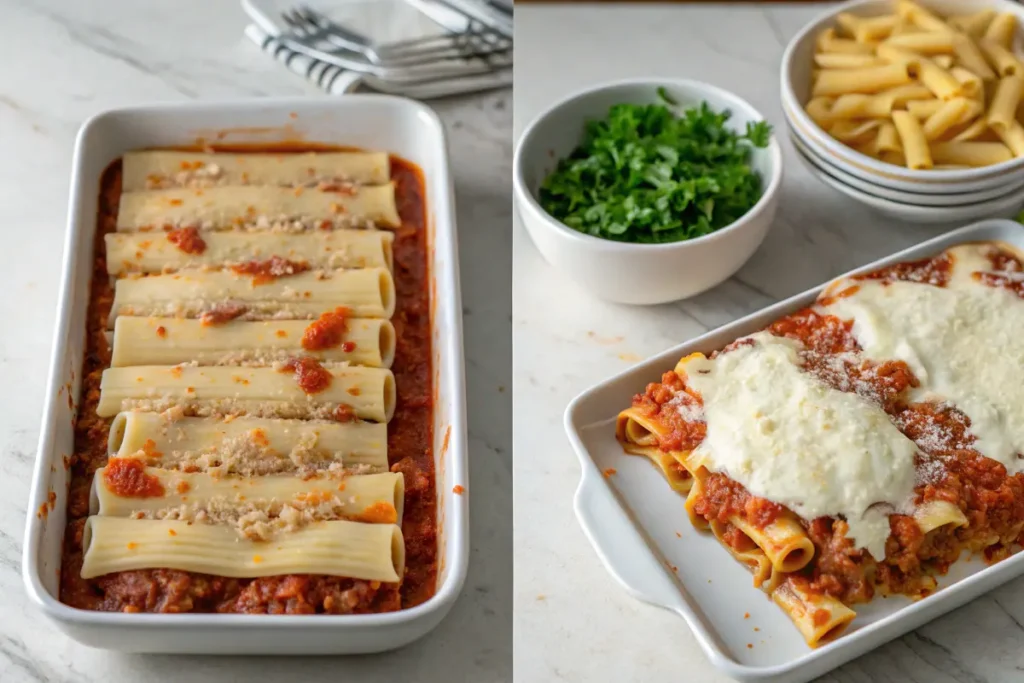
x=365, y=393
x=369, y=498
x=148, y=170
x=169, y=341
x=248, y=445
x=367, y=293
x=371, y=552
x=145, y=252
x=279, y=208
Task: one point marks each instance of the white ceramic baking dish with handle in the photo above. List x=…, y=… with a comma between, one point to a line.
x=397, y=125
x=641, y=532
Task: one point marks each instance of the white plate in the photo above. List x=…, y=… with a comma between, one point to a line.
x=911, y=198
x=1005, y=206
x=632, y=519
x=398, y=125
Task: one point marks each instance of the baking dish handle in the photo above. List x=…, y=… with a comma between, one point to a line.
x=619, y=544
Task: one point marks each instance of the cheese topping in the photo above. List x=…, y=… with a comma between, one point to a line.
x=964, y=342
x=790, y=438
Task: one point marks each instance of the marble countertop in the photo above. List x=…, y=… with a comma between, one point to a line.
x=572, y=620
x=66, y=61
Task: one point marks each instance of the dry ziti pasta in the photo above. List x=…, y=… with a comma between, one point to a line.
x=254, y=433
x=950, y=88
x=861, y=445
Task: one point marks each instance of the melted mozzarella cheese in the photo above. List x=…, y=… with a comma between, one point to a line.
x=964, y=342
x=792, y=439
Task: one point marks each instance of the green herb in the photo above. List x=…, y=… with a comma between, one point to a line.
x=647, y=173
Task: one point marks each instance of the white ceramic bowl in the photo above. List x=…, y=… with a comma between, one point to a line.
x=638, y=273
x=797, y=64
x=1005, y=206
x=911, y=198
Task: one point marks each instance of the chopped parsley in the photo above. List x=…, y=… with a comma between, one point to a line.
x=654, y=174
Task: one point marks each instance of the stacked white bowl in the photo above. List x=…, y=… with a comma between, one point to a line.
x=932, y=196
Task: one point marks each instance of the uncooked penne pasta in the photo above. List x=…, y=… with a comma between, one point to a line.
x=973, y=86
x=279, y=208
x=931, y=43
x=294, y=391
x=191, y=496
x=888, y=140
x=156, y=169
x=931, y=75
x=853, y=132
x=829, y=43
x=820, y=111
x=1013, y=137
x=922, y=109
x=838, y=60
x=944, y=61
x=372, y=552
x=1002, y=60
x=973, y=131
x=1001, y=29
x=948, y=115
x=867, y=29
x=973, y=25
x=920, y=16
x=1003, y=109
x=248, y=446
x=971, y=58
x=970, y=153
x=222, y=295
x=915, y=146
x=147, y=252
x=855, y=106
x=870, y=80
x=334, y=337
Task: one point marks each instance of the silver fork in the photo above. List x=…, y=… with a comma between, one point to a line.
x=314, y=29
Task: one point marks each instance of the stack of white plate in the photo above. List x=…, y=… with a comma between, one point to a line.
x=933, y=196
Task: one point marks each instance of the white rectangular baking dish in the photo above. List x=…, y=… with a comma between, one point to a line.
x=642, y=534
x=400, y=126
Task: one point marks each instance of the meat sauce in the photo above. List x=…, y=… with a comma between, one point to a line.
x=188, y=240
x=269, y=270
x=327, y=331
x=410, y=439
x=949, y=468
x=311, y=377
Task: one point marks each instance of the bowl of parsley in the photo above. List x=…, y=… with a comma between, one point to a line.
x=648, y=191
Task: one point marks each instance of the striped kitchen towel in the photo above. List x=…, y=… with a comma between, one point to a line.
x=330, y=78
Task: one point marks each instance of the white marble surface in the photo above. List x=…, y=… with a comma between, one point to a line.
x=64, y=61
x=572, y=622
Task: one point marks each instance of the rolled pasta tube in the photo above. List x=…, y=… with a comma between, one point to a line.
x=948, y=115
x=931, y=43
x=931, y=75
x=639, y=436
x=894, y=158
x=1001, y=29
x=369, y=498
x=168, y=341
x=1004, y=62
x=141, y=252
x=915, y=146
x=944, y=61
x=973, y=86
x=855, y=106
x=750, y=556
x=839, y=60
x=888, y=139
x=902, y=94
x=819, y=618
x=919, y=15
x=923, y=109
x=971, y=58
x=153, y=169
x=866, y=81
x=371, y=552
x=829, y=43
x=867, y=29
x=820, y=111
x=368, y=293
x=1013, y=137
x=975, y=24
x=248, y=445
x=938, y=513
x=693, y=497
x=970, y=153
x=783, y=541
x=973, y=131
x=1003, y=109
x=854, y=132
x=369, y=393
x=261, y=207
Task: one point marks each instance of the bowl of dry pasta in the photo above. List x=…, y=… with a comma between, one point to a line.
x=917, y=98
